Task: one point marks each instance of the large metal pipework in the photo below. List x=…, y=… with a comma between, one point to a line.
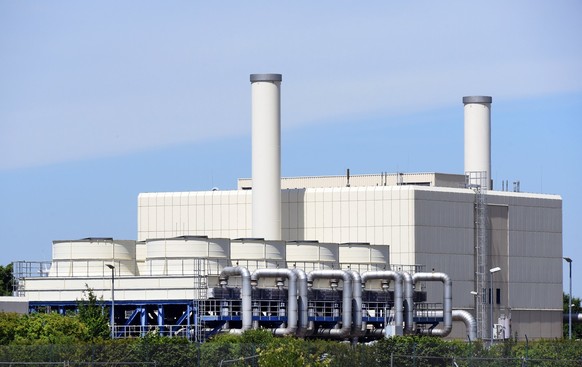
x=247, y=315
x=397, y=278
x=447, y=300
x=357, y=329
x=408, y=302
x=344, y=332
x=465, y=317
x=302, y=302
x=576, y=317
x=468, y=320
x=291, y=296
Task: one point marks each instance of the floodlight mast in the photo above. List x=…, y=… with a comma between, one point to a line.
x=112, y=320
x=569, y=261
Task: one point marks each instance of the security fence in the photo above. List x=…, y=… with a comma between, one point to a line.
x=78, y=364
x=426, y=361
x=287, y=352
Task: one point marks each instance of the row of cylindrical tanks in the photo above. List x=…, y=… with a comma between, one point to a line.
x=300, y=320
x=179, y=255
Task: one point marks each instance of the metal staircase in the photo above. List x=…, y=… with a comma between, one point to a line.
x=478, y=182
x=200, y=296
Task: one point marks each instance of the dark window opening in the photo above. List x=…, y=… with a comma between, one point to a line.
x=498, y=296
x=415, y=183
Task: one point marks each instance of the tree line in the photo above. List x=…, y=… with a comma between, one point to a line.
x=6, y=280
x=260, y=348
x=84, y=336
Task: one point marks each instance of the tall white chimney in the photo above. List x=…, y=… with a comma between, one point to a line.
x=478, y=140
x=266, y=140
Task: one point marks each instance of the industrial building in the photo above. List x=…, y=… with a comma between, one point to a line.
x=351, y=256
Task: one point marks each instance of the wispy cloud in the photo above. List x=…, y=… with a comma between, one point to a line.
x=81, y=81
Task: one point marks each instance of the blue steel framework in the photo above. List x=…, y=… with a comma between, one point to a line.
x=179, y=318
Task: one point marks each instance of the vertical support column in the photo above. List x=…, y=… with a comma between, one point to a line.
x=195, y=315
x=266, y=151
x=161, y=317
x=143, y=320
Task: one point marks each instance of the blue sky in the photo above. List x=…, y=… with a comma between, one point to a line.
x=100, y=101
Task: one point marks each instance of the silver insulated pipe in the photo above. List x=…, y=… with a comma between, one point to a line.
x=291, y=296
x=466, y=318
x=398, y=304
x=357, y=283
x=247, y=315
x=266, y=155
x=408, y=302
x=302, y=302
x=344, y=332
x=447, y=300
x=576, y=317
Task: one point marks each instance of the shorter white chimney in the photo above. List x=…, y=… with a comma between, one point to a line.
x=478, y=140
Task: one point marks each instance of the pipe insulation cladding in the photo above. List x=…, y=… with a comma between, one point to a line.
x=347, y=297
x=266, y=155
x=398, y=279
x=292, y=315
x=478, y=139
x=246, y=292
x=447, y=301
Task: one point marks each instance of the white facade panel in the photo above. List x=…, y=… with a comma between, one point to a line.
x=367, y=180
x=336, y=209
x=126, y=288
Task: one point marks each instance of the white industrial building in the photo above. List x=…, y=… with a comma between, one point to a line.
x=394, y=230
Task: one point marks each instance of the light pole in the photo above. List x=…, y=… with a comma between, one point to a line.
x=112, y=322
x=570, y=300
x=492, y=271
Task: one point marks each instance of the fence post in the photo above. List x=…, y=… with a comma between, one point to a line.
x=526, y=348
x=199, y=352
x=470, y=352
x=414, y=354
x=392, y=359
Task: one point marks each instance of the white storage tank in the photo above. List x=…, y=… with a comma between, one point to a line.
x=89, y=256
x=186, y=255
x=256, y=253
x=362, y=257
x=140, y=257
x=312, y=255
